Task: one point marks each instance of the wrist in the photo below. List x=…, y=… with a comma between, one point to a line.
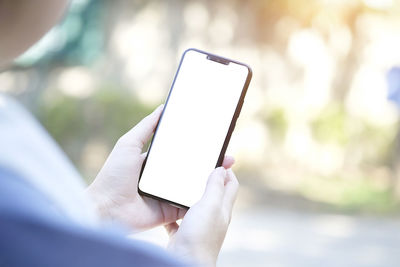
x=189, y=254
x=100, y=201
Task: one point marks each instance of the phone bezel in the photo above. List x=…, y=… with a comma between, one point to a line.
x=230, y=129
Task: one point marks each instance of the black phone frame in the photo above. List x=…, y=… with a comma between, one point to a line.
x=236, y=114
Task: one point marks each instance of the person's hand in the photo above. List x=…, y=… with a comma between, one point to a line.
x=202, y=231
x=115, y=189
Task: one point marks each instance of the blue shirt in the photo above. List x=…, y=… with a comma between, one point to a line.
x=33, y=233
x=39, y=227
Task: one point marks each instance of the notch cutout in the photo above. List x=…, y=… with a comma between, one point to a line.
x=218, y=59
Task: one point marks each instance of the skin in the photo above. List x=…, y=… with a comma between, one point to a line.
x=23, y=23
x=200, y=235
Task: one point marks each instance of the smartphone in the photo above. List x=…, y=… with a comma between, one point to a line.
x=195, y=127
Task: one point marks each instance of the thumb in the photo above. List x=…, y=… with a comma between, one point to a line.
x=142, y=132
x=215, y=185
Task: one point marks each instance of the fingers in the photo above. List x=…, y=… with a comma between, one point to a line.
x=171, y=228
x=228, y=162
x=231, y=189
x=170, y=213
x=141, y=133
x=222, y=186
x=215, y=185
x=181, y=213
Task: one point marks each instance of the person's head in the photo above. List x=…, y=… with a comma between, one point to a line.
x=24, y=22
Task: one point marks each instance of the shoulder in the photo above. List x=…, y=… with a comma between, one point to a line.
x=28, y=149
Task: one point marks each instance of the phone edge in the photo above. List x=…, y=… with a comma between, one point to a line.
x=230, y=129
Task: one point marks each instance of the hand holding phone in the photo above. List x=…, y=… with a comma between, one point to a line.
x=115, y=190
x=199, y=237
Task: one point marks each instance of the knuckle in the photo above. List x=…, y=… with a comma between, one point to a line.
x=212, y=206
x=234, y=179
x=226, y=218
x=236, y=183
x=121, y=141
x=127, y=140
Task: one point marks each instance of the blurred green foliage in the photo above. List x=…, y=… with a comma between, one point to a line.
x=334, y=126
x=107, y=114
x=331, y=125
x=277, y=123
x=378, y=143
x=350, y=194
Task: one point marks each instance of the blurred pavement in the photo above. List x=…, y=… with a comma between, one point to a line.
x=267, y=237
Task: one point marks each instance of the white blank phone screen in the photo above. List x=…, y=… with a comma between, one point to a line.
x=193, y=128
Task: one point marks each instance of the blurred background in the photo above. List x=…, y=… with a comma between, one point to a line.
x=317, y=144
